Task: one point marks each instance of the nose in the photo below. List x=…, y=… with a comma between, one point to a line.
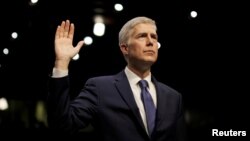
x=150, y=41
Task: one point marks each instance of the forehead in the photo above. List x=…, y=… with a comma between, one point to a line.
x=144, y=28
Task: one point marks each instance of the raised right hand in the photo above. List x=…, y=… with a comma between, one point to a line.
x=64, y=49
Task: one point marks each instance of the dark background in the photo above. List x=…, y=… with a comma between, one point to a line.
x=206, y=58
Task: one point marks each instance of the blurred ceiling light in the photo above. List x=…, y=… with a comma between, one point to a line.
x=193, y=14
x=3, y=104
x=118, y=7
x=88, y=40
x=14, y=35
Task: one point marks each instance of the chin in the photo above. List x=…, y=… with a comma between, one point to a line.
x=150, y=61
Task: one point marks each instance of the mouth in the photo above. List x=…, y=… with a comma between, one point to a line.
x=149, y=52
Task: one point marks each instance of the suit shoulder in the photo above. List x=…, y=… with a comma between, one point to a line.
x=101, y=79
x=168, y=89
x=106, y=78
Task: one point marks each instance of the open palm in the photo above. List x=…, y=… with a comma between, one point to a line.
x=64, y=48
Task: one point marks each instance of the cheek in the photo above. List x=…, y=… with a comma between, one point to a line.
x=135, y=50
x=135, y=53
x=156, y=50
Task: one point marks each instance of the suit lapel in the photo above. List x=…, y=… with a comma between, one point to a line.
x=160, y=104
x=126, y=93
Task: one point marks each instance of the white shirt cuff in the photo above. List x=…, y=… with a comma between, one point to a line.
x=57, y=73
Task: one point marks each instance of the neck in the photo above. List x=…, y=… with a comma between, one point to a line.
x=141, y=72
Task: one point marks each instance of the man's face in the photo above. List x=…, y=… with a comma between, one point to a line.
x=143, y=45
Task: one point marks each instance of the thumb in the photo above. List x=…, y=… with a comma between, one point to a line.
x=79, y=45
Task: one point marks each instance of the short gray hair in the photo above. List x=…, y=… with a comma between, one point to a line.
x=127, y=27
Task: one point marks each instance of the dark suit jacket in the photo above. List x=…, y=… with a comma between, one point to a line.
x=108, y=104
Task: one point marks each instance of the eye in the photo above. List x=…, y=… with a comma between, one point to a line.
x=154, y=37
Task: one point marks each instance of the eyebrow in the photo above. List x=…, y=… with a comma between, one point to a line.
x=144, y=33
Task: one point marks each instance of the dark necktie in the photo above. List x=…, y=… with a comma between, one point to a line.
x=149, y=106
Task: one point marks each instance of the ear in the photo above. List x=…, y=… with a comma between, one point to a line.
x=124, y=48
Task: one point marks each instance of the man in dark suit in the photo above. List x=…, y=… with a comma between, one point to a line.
x=114, y=104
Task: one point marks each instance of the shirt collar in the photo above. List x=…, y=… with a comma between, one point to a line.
x=133, y=78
